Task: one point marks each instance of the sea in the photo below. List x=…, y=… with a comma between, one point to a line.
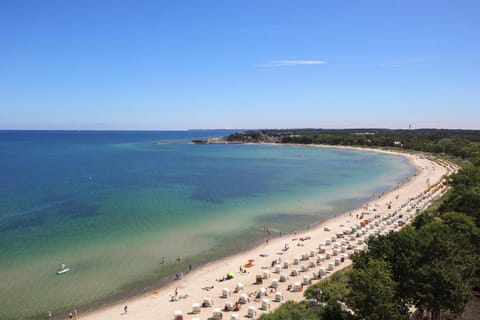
x=119, y=207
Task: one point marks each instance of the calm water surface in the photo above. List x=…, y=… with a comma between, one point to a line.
x=111, y=204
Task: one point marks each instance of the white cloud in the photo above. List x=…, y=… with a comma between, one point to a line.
x=287, y=63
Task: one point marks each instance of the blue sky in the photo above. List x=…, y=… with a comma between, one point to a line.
x=160, y=65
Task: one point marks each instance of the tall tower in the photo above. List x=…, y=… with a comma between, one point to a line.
x=409, y=127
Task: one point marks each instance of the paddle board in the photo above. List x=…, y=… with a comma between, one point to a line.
x=63, y=271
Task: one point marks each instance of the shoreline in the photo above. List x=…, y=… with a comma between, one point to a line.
x=144, y=306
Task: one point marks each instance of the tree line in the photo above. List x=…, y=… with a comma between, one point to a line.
x=463, y=144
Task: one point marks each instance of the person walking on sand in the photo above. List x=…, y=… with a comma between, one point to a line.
x=125, y=309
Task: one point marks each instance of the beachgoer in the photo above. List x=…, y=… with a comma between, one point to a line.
x=75, y=313
x=125, y=309
x=49, y=314
x=163, y=260
x=189, y=267
x=70, y=315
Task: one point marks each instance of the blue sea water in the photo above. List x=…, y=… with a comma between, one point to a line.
x=111, y=204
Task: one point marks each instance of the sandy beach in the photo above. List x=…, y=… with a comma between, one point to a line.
x=310, y=253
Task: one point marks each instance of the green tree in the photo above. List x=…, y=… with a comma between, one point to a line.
x=333, y=311
x=447, y=268
x=463, y=224
x=373, y=291
x=467, y=201
x=465, y=196
x=399, y=250
x=422, y=219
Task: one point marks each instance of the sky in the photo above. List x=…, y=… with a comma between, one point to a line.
x=171, y=65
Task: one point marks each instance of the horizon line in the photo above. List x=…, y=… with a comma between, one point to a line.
x=250, y=129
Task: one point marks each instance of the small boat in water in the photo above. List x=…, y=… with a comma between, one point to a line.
x=63, y=269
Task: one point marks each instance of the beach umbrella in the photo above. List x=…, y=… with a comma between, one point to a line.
x=230, y=274
x=251, y=260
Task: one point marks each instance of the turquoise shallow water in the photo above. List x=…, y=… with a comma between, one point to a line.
x=112, y=204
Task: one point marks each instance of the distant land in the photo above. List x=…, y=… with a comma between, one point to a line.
x=458, y=142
